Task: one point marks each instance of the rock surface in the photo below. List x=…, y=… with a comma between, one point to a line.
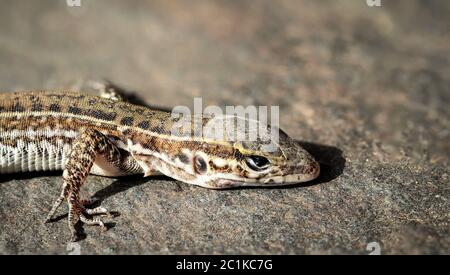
x=366, y=89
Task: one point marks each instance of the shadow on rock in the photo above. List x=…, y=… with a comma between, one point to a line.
x=29, y=175
x=123, y=184
x=331, y=161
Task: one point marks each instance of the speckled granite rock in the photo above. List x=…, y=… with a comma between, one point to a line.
x=366, y=89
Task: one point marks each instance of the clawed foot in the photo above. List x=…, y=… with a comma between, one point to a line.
x=97, y=210
x=85, y=215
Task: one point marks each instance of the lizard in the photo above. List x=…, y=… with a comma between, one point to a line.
x=105, y=135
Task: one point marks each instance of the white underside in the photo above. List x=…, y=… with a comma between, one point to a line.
x=45, y=156
x=31, y=157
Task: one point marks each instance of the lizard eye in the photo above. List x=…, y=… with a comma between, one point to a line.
x=257, y=163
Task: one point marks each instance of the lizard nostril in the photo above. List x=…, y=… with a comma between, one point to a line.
x=315, y=169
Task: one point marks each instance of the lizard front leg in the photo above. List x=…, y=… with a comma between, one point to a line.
x=86, y=148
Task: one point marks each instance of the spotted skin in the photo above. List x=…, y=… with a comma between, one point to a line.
x=82, y=134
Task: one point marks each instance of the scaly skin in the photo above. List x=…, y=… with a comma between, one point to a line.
x=82, y=134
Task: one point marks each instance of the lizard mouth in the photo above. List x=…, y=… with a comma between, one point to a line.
x=290, y=179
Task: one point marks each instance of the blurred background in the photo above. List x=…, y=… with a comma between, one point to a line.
x=366, y=89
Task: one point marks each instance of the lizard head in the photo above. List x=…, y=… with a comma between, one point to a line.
x=230, y=161
x=251, y=164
